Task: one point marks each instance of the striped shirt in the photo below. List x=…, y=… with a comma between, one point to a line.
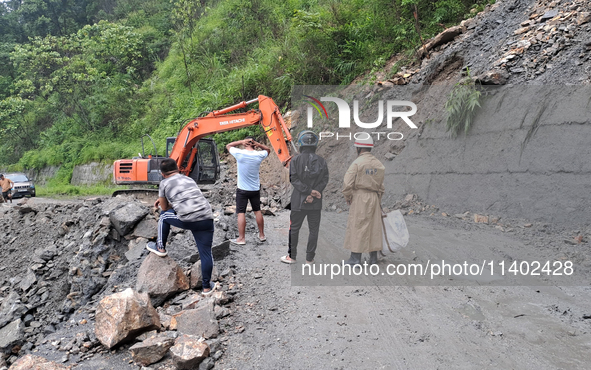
x=186, y=199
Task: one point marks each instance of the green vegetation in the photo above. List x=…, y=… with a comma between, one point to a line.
x=83, y=80
x=461, y=106
x=71, y=190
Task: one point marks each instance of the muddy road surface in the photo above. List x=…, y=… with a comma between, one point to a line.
x=279, y=319
x=403, y=323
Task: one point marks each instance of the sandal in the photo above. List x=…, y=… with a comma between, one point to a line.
x=160, y=252
x=288, y=260
x=235, y=241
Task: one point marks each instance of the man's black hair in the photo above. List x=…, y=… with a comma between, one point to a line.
x=362, y=150
x=168, y=165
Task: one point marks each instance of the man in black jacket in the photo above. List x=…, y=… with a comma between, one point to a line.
x=308, y=173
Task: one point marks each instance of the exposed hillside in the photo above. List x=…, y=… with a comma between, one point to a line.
x=526, y=154
x=89, y=91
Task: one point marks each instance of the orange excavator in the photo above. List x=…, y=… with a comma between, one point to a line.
x=197, y=156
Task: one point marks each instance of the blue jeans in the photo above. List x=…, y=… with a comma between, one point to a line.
x=203, y=234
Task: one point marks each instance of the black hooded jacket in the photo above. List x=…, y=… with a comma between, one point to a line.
x=307, y=171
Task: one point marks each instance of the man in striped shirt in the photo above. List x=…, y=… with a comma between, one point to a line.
x=184, y=206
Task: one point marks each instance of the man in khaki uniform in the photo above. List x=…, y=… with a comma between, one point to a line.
x=363, y=189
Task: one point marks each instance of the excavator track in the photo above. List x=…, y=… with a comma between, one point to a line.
x=136, y=192
x=147, y=194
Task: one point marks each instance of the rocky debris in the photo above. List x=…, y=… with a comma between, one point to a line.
x=52, y=280
x=207, y=364
x=11, y=335
x=28, y=281
x=197, y=278
x=200, y=320
x=126, y=217
x=152, y=349
x=221, y=298
x=494, y=77
x=583, y=18
x=11, y=308
x=161, y=277
x=269, y=211
x=189, y=351
x=480, y=219
x=123, y=316
x=30, y=362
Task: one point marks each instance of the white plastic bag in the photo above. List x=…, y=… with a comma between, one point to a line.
x=395, y=234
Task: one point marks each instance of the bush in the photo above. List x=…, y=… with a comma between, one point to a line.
x=461, y=107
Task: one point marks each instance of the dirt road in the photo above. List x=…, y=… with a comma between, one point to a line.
x=407, y=327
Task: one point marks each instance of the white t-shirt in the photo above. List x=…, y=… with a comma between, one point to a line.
x=249, y=163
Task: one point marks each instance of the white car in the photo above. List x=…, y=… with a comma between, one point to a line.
x=22, y=185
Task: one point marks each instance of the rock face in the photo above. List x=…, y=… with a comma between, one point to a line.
x=123, y=316
x=30, y=362
x=188, y=352
x=11, y=335
x=151, y=350
x=126, y=217
x=196, y=278
x=160, y=278
x=198, y=321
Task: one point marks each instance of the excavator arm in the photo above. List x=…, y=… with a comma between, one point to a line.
x=142, y=170
x=268, y=116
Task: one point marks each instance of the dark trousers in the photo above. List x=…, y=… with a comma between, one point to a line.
x=202, y=232
x=296, y=219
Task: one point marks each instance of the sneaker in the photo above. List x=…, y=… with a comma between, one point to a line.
x=288, y=260
x=152, y=247
x=214, y=287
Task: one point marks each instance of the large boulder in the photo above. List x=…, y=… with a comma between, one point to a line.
x=11, y=308
x=126, y=217
x=161, y=277
x=198, y=321
x=188, y=351
x=11, y=335
x=152, y=349
x=125, y=315
x=30, y=362
x=197, y=279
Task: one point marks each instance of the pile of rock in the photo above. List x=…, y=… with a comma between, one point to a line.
x=182, y=329
x=62, y=257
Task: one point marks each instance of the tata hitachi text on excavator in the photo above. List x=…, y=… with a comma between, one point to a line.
x=197, y=156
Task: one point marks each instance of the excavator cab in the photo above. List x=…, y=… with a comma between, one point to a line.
x=205, y=166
